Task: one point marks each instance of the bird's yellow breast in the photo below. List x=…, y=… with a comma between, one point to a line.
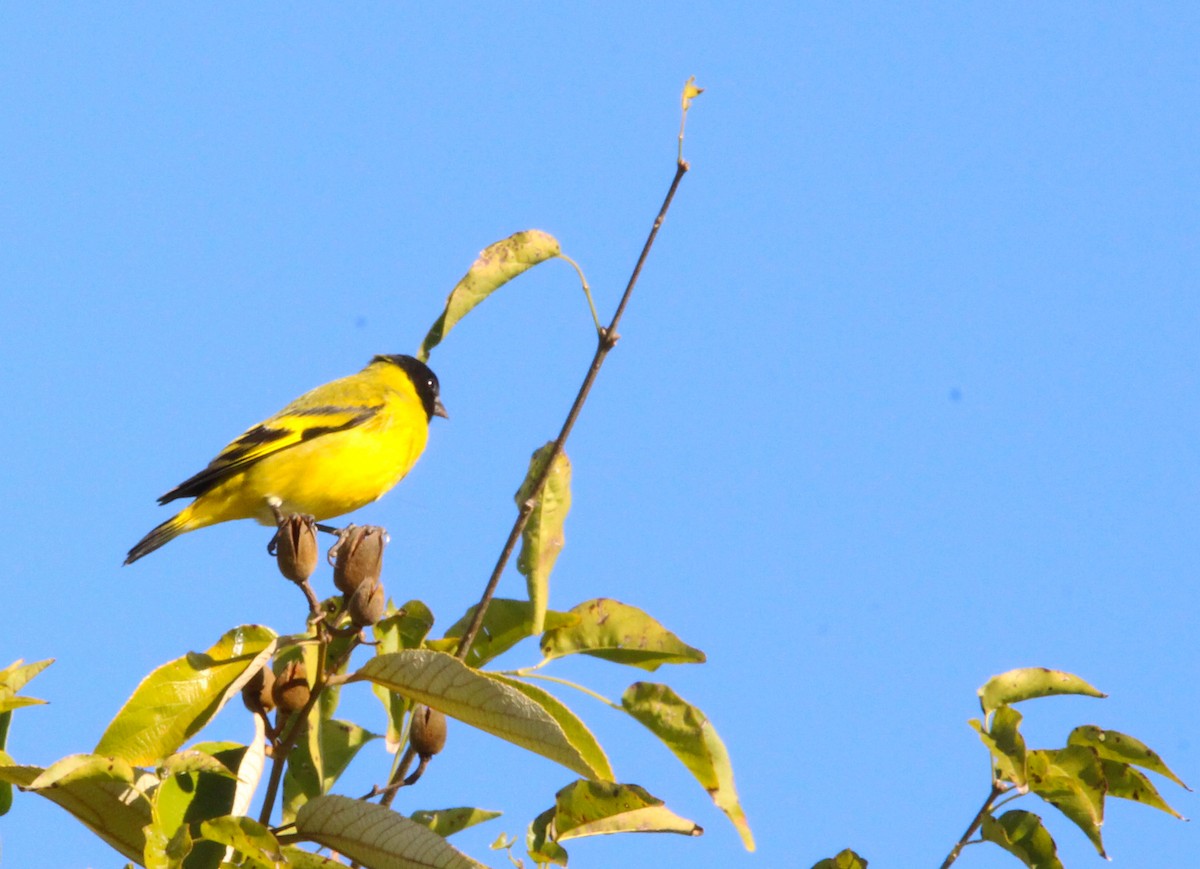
x=329, y=475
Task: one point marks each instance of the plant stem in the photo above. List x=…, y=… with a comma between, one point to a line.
x=608, y=340
x=984, y=810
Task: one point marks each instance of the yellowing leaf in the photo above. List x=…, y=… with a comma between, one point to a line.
x=180, y=697
x=1070, y=779
x=1113, y=745
x=376, y=836
x=16, y=676
x=497, y=264
x=692, y=738
x=1006, y=744
x=542, y=539
x=1127, y=783
x=444, y=683
x=1028, y=683
x=100, y=792
x=574, y=729
x=505, y=624
x=592, y=808
x=690, y=92
x=1022, y=835
x=845, y=859
x=618, y=632
x=447, y=822
x=254, y=842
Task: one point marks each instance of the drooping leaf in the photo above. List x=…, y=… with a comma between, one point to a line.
x=692, y=738
x=340, y=742
x=447, y=822
x=444, y=683
x=576, y=731
x=1007, y=745
x=505, y=624
x=177, y=699
x=591, y=808
x=496, y=265
x=542, y=539
x=1022, y=835
x=845, y=859
x=543, y=849
x=376, y=836
x=1071, y=780
x=1112, y=745
x=256, y=844
x=1130, y=784
x=403, y=628
x=1028, y=683
x=102, y=793
x=621, y=633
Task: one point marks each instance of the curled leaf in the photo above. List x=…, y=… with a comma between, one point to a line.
x=1028, y=683
x=542, y=538
x=496, y=265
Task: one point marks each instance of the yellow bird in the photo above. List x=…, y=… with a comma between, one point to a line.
x=332, y=450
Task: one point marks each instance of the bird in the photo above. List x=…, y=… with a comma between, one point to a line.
x=330, y=451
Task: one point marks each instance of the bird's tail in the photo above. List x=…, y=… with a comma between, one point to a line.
x=162, y=535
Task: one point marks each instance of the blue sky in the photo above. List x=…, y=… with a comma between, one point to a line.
x=905, y=397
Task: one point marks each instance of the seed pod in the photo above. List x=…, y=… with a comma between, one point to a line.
x=291, y=691
x=428, y=732
x=366, y=604
x=256, y=694
x=357, y=556
x=296, y=547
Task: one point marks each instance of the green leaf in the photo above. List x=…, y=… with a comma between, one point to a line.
x=692, y=738
x=405, y=628
x=542, y=539
x=16, y=676
x=170, y=850
x=376, y=836
x=259, y=848
x=6, y=792
x=621, y=633
x=340, y=742
x=1007, y=745
x=100, y=792
x=1112, y=745
x=1022, y=835
x=1071, y=780
x=1129, y=784
x=591, y=808
x=846, y=859
x=447, y=822
x=177, y=699
x=298, y=858
x=505, y=624
x=543, y=849
x=576, y=731
x=197, y=790
x=1028, y=683
x=496, y=265
x=444, y=683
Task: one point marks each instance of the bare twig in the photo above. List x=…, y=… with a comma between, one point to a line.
x=608, y=339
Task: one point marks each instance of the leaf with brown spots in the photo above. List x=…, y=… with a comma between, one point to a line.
x=620, y=633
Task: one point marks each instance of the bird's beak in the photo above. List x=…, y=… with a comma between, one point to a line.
x=439, y=409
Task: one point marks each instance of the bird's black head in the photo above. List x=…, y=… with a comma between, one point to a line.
x=423, y=379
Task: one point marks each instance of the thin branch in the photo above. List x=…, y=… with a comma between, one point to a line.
x=608, y=340
x=976, y=823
